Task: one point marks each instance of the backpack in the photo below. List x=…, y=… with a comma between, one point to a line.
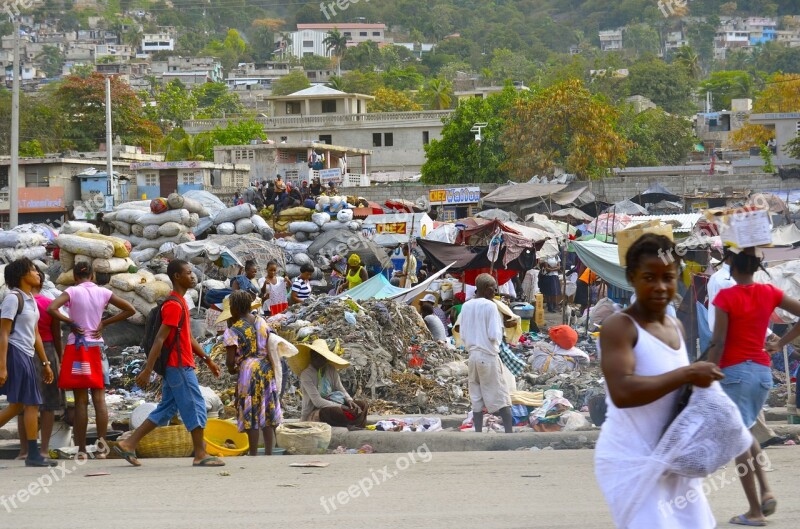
x=20, y=306
x=151, y=327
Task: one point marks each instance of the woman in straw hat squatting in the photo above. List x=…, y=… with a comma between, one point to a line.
x=258, y=405
x=324, y=397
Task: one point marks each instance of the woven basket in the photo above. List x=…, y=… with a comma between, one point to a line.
x=166, y=441
x=304, y=438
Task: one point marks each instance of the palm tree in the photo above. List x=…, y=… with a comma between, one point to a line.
x=336, y=82
x=439, y=92
x=336, y=44
x=180, y=146
x=686, y=57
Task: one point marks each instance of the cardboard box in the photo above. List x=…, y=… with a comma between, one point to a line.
x=744, y=227
x=626, y=237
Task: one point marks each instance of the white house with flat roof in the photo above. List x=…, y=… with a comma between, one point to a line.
x=786, y=126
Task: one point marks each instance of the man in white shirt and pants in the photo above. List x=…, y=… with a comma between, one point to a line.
x=720, y=280
x=481, y=329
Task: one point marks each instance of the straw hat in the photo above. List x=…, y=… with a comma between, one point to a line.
x=225, y=315
x=302, y=359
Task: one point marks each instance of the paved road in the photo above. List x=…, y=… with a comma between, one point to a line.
x=503, y=490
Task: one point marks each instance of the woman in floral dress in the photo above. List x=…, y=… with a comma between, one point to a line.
x=257, y=397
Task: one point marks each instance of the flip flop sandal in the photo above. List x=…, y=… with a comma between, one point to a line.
x=742, y=520
x=209, y=462
x=130, y=457
x=768, y=507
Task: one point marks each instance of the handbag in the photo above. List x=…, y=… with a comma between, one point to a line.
x=82, y=366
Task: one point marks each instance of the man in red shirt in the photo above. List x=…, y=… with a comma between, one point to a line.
x=180, y=391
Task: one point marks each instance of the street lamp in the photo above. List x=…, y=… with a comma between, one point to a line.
x=477, y=128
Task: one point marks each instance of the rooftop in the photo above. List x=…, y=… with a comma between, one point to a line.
x=339, y=25
x=298, y=146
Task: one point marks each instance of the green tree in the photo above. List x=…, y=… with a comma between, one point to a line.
x=365, y=57
x=239, y=133
x=508, y=65
x=52, y=60
x=174, y=105
x=641, y=39
x=792, y=148
x=686, y=57
x=291, y=83
x=82, y=101
x=315, y=62
x=180, y=146
x=357, y=82
x=336, y=44
x=562, y=126
x=658, y=138
x=457, y=158
x=406, y=79
x=667, y=85
x=438, y=94
x=389, y=100
x=727, y=85
x=31, y=149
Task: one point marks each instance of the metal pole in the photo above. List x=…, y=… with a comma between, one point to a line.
x=109, y=152
x=13, y=173
x=790, y=406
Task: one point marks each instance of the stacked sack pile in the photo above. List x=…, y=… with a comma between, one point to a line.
x=242, y=220
x=333, y=213
x=18, y=243
x=156, y=226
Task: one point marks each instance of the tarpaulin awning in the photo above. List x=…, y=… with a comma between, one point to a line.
x=378, y=287
x=655, y=194
x=566, y=198
x=466, y=258
x=603, y=259
x=514, y=193
x=787, y=235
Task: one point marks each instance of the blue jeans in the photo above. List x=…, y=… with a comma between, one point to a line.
x=180, y=392
x=748, y=385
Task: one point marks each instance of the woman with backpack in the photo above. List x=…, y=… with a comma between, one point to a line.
x=258, y=405
x=20, y=348
x=82, y=369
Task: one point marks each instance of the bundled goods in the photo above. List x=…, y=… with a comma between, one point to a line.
x=75, y=244
x=122, y=248
x=332, y=205
x=159, y=205
x=75, y=226
x=177, y=201
x=226, y=228
x=262, y=227
x=244, y=226
x=16, y=244
x=289, y=215
x=243, y=211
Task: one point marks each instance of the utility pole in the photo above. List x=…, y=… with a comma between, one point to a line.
x=109, y=146
x=13, y=170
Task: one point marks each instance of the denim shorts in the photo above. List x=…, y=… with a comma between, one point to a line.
x=180, y=392
x=748, y=385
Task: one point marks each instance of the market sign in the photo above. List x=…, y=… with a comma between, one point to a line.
x=330, y=175
x=454, y=196
x=391, y=227
x=41, y=199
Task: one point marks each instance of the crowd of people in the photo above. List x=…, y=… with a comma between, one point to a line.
x=284, y=195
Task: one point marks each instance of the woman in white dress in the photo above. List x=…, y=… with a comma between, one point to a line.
x=645, y=364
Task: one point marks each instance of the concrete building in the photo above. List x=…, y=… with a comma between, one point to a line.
x=196, y=66
x=159, y=179
x=342, y=165
x=611, y=40
x=327, y=116
x=716, y=127
x=761, y=29
x=674, y=41
x=309, y=38
x=787, y=127
x=153, y=42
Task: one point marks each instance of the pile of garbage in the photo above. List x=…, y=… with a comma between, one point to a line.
x=392, y=354
x=155, y=226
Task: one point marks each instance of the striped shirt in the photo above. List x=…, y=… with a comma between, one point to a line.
x=301, y=288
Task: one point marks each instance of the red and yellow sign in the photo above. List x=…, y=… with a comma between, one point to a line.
x=41, y=199
x=437, y=196
x=391, y=227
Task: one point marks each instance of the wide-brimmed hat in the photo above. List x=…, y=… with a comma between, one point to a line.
x=299, y=362
x=225, y=315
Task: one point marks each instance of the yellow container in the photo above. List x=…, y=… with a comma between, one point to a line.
x=539, y=314
x=218, y=433
x=526, y=325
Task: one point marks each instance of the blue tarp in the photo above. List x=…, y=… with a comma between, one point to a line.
x=603, y=260
x=378, y=287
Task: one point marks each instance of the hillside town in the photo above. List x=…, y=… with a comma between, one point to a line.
x=421, y=252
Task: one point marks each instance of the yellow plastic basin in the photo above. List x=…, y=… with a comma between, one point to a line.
x=218, y=433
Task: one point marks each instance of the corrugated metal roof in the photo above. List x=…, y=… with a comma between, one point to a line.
x=683, y=223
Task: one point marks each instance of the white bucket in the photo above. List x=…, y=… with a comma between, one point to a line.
x=436, y=285
x=61, y=436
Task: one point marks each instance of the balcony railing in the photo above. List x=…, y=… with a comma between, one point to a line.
x=323, y=120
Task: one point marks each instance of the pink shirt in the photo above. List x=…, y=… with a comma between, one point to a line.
x=86, y=304
x=44, y=318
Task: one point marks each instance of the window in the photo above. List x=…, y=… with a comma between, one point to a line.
x=283, y=156
x=292, y=175
x=426, y=137
x=348, y=34
x=308, y=43
x=300, y=158
x=191, y=177
x=151, y=179
x=376, y=139
x=293, y=108
x=363, y=34
x=243, y=154
x=34, y=179
x=388, y=139
x=376, y=33
x=329, y=107
x=326, y=138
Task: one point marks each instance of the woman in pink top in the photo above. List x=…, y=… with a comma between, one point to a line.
x=82, y=368
x=52, y=396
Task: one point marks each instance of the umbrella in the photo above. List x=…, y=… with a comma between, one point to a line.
x=344, y=243
x=627, y=207
x=497, y=214
x=571, y=215
x=654, y=194
x=247, y=247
